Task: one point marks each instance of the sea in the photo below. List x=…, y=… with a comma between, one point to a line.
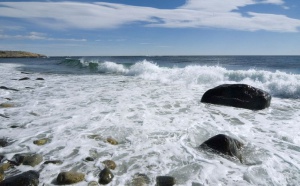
x=151, y=106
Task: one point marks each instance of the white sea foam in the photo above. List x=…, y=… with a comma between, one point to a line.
x=279, y=84
x=155, y=114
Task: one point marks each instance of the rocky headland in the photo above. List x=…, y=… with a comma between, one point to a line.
x=19, y=54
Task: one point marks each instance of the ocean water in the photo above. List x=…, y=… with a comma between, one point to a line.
x=151, y=106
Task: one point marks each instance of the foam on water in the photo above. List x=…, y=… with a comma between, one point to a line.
x=279, y=84
x=155, y=114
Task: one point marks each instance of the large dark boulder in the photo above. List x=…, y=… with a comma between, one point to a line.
x=29, y=178
x=224, y=144
x=238, y=95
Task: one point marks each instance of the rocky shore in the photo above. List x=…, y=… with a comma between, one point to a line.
x=219, y=144
x=19, y=54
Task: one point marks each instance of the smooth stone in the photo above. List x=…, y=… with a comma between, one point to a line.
x=105, y=176
x=27, y=159
x=238, y=95
x=1, y=175
x=4, y=116
x=40, y=141
x=224, y=144
x=6, y=105
x=24, y=78
x=6, y=88
x=70, y=177
x=140, y=180
x=112, y=141
x=93, y=183
x=165, y=181
x=94, y=136
x=110, y=164
x=4, y=142
x=89, y=159
x=57, y=162
x=29, y=178
x=5, y=166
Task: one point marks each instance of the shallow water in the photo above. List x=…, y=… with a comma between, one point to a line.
x=155, y=114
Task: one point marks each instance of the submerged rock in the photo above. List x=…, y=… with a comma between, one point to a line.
x=224, y=144
x=89, y=159
x=4, y=116
x=40, y=141
x=140, y=180
x=25, y=78
x=93, y=183
x=6, y=105
x=4, y=142
x=105, y=176
x=238, y=95
x=1, y=175
x=57, y=162
x=69, y=177
x=112, y=141
x=5, y=166
x=110, y=164
x=6, y=88
x=165, y=181
x=29, y=178
x=27, y=159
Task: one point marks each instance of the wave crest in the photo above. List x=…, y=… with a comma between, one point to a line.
x=279, y=84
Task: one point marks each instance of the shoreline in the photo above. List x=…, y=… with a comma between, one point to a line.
x=19, y=54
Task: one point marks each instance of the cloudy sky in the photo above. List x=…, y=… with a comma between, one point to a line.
x=151, y=27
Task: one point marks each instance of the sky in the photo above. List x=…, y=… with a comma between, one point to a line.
x=151, y=27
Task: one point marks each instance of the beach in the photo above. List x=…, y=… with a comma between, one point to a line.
x=151, y=107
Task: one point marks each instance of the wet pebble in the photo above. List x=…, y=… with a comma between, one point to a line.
x=112, y=141
x=110, y=164
x=105, y=176
x=165, y=181
x=70, y=177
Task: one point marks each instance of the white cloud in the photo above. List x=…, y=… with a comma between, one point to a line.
x=37, y=36
x=195, y=13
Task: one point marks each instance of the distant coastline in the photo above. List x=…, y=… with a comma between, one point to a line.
x=19, y=54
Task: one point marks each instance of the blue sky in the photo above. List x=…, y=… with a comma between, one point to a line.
x=151, y=27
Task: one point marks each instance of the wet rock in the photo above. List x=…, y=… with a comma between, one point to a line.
x=27, y=159
x=41, y=79
x=24, y=78
x=2, y=157
x=224, y=144
x=4, y=142
x=93, y=183
x=165, y=181
x=29, y=178
x=110, y=164
x=89, y=159
x=57, y=162
x=2, y=176
x=105, y=176
x=140, y=180
x=69, y=177
x=14, y=126
x=6, y=88
x=4, y=116
x=6, y=105
x=5, y=166
x=95, y=137
x=238, y=95
x=112, y=141
x=41, y=141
